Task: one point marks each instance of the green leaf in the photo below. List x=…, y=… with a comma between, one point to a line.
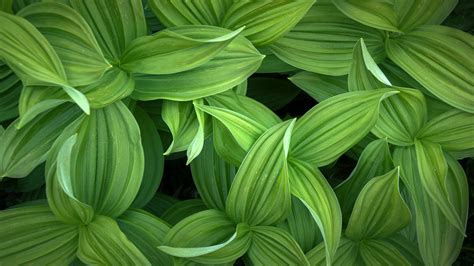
x=196, y=145
x=323, y=40
x=379, y=210
x=412, y=14
x=229, y=68
x=376, y=251
x=28, y=53
x=453, y=130
x=33, y=235
x=319, y=87
x=154, y=160
x=226, y=145
x=182, y=121
x=260, y=193
x=373, y=13
x=208, y=237
x=439, y=241
x=10, y=89
x=115, y=23
x=173, y=51
x=347, y=254
x=106, y=162
x=301, y=225
x=310, y=186
x=265, y=21
x=159, y=204
x=212, y=177
x=274, y=246
x=272, y=64
x=402, y=115
x=442, y=54
x=408, y=249
x=274, y=93
x=21, y=150
x=182, y=209
x=375, y=160
x=146, y=232
x=118, y=250
x=6, y=6
x=79, y=98
x=335, y=125
x=433, y=169
x=71, y=37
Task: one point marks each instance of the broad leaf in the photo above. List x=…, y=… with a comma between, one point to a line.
x=212, y=177
x=274, y=246
x=310, y=186
x=169, y=52
x=146, y=232
x=319, y=87
x=323, y=40
x=182, y=209
x=412, y=14
x=71, y=37
x=118, y=250
x=379, y=210
x=229, y=68
x=21, y=150
x=376, y=251
x=260, y=193
x=347, y=254
x=442, y=54
x=333, y=126
x=207, y=237
x=33, y=235
x=114, y=23
x=375, y=160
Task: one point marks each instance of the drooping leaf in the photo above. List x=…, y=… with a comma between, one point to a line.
x=260, y=193
x=320, y=87
x=33, y=235
x=323, y=40
x=71, y=37
x=115, y=23
x=375, y=160
x=212, y=177
x=146, y=232
x=204, y=129
x=453, y=130
x=21, y=150
x=207, y=237
x=272, y=245
x=310, y=186
x=333, y=126
x=118, y=250
x=379, y=210
x=441, y=53
x=433, y=170
x=229, y=68
x=154, y=160
x=169, y=52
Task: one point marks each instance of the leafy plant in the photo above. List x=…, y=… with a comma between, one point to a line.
x=101, y=101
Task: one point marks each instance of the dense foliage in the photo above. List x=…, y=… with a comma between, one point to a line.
x=315, y=132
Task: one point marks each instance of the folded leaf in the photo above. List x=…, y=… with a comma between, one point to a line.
x=319, y=87
x=310, y=186
x=169, y=52
x=28, y=53
x=107, y=161
x=229, y=68
x=226, y=145
x=154, y=160
x=208, y=237
x=373, y=13
x=272, y=245
x=33, y=235
x=376, y=251
x=182, y=209
x=433, y=170
x=323, y=40
x=146, y=232
x=375, y=160
x=333, y=126
x=453, y=130
x=21, y=150
x=347, y=254
x=71, y=37
x=439, y=241
x=379, y=211
x=260, y=193
x=118, y=250
x=204, y=122
x=114, y=23
x=265, y=21
x=437, y=57
x=212, y=177
x=412, y=14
